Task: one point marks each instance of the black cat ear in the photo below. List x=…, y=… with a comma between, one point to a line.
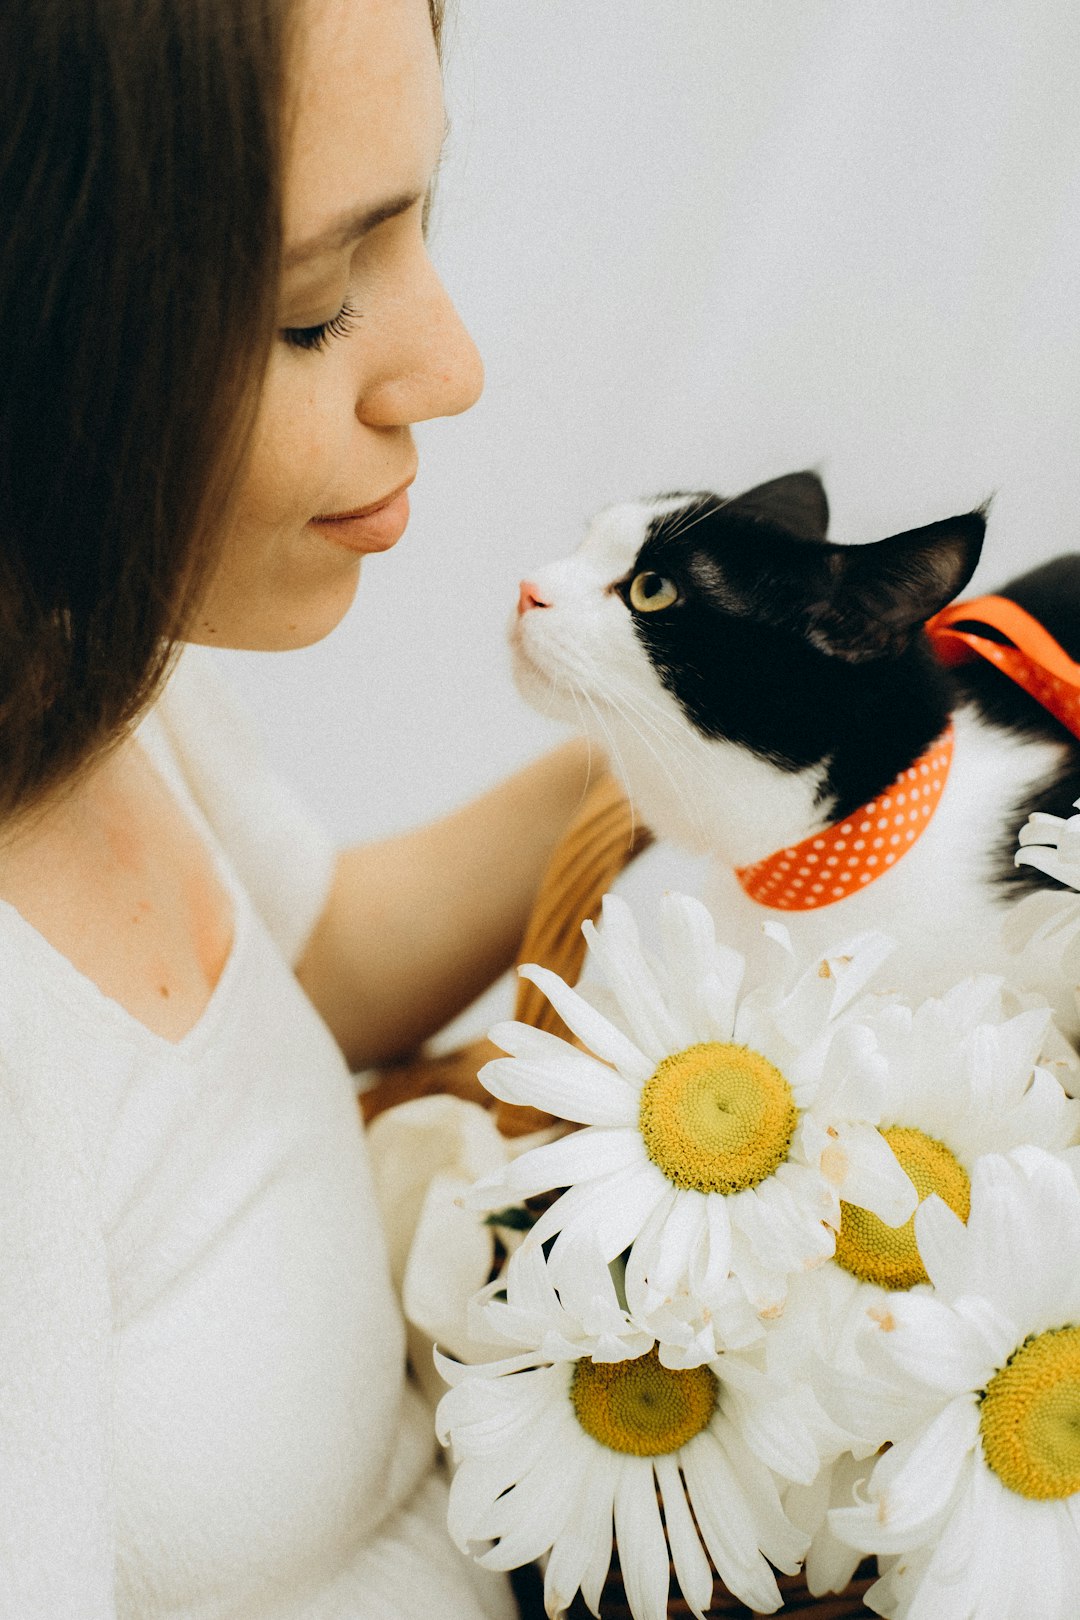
x=882, y=593
x=795, y=503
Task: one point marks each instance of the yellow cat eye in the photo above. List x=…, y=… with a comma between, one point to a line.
x=650, y=592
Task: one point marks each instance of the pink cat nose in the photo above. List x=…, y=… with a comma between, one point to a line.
x=529, y=597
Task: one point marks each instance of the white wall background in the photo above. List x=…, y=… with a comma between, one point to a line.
x=699, y=243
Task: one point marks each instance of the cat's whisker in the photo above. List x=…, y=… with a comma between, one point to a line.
x=675, y=746
x=553, y=692
x=692, y=804
x=697, y=513
x=665, y=727
x=583, y=728
x=685, y=522
x=617, y=759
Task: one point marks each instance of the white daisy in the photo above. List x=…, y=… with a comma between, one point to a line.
x=961, y=1080
x=1051, y=844
x=723, y=1126
x=979, y=1494
x=585, y=1429
x=1042, y=930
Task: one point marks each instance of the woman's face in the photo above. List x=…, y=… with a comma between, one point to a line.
x=368, y=341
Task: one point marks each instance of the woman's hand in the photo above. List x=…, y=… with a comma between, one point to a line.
x=417, y=926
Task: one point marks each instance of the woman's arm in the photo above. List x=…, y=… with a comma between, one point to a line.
x=418, y=925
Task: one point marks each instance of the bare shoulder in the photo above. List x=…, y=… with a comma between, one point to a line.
x=119, y=881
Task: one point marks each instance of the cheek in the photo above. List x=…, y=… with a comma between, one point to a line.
x=294, y=451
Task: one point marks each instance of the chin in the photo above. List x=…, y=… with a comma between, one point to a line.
x=274, y=628
x=545, y=693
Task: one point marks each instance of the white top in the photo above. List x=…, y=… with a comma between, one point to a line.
x=204, y=1411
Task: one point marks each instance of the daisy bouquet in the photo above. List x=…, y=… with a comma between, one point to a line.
x=799, y=1282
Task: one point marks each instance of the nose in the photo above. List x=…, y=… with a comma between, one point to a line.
x=529, y=597
x=428, y=365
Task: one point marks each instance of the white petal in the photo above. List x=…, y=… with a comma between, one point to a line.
x=976, y=1555
x=456, y=1373
x=874, y=1179
x=584, y=1282
x=1008, y=1051
x=870, y=1410
x=943, y=1245
x=500, y=1448
x=503, y=1442
x=1045, y=859
x=691, y=1565
x=766, y=1290
x=999, y=1333
x=570, y=1085
x=776, y=1431
x=586, y=1540
x=613, y=1208
x=955, y=1564
x=1030, y=1574
x=529, y=1517
x=727, y=1527
x=704, y=978
x=718, y=1265
x=591, y=1027
x=913, y=1485
x=583, y=1155
x=782, y=1542
x=935, y=1345
x=675, y=1245
x=1016, y=1199
x=783, y=1235
x=639, y=1534
x=830, y=1565
x=854, y=964
x=607, y=1465
x=616, y=948
x=856, y=1079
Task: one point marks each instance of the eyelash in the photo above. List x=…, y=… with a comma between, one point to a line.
x=317, y=337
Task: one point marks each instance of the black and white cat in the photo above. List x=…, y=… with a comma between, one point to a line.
x=756, y=683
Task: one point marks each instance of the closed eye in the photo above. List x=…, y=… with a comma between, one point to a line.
x=317, y=337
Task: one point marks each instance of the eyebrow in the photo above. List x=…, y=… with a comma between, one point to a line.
x=349, y=228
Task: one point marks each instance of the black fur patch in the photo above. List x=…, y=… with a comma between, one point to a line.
x=1050, y=594
x=743, y=654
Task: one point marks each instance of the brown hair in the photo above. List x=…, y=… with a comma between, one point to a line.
x=141, y=150
x=141, y=154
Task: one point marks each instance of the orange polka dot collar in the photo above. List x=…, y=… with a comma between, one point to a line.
x=843, y=858
x=848, y=856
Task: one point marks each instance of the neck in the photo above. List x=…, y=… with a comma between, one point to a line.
x=718, y=797
x=893, y=718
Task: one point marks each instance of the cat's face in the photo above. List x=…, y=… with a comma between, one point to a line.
x=714, y=642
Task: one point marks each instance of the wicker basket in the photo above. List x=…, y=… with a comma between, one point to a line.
x=601, y=841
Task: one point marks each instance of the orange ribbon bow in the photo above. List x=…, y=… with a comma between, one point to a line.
x=1032, y=658
x=849, y=855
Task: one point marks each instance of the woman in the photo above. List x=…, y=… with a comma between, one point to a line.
x=219, y=325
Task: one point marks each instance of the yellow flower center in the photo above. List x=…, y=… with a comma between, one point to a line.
x=889, y=1255
x=1030, y=1418
x=717, y=1118
x=641, y=1407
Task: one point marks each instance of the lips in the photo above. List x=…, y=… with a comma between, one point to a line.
x=365, y=511
x=375, y=527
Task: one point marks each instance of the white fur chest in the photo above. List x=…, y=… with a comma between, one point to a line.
x=940, y=903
